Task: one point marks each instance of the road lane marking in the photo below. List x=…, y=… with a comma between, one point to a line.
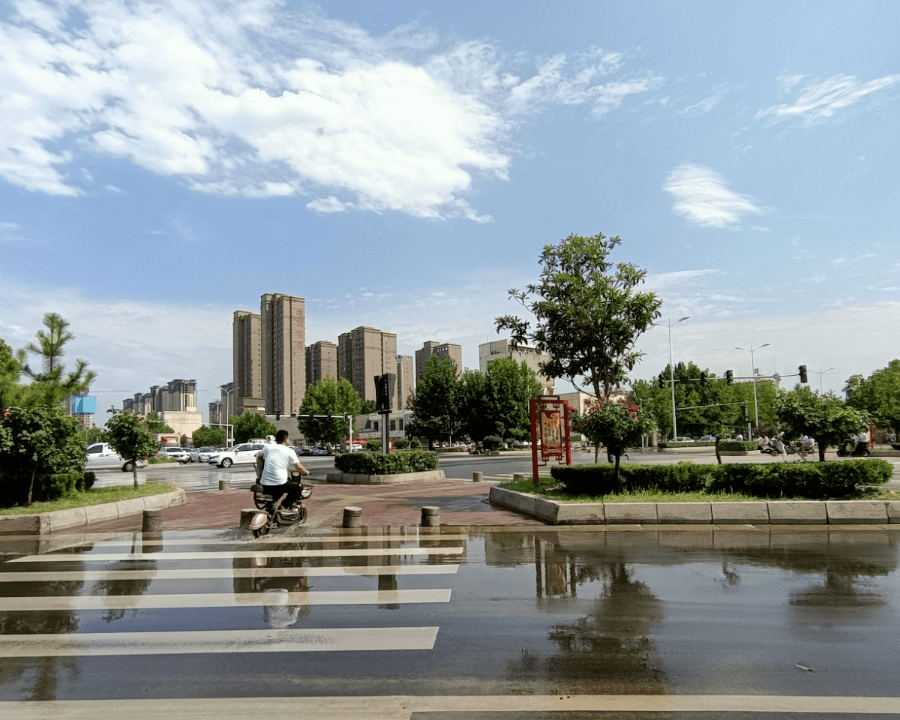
x=402, y=707
x=239, y=554
x=219, y=600
x=127, y=540
x=219, y=641
x=225, y=573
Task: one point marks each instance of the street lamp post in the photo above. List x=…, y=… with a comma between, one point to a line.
x=821, y=373
x=672, y=376
x=751, y=350
x=229, y=428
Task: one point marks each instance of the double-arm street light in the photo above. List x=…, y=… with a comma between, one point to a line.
x=751, y=350
x=672, y=376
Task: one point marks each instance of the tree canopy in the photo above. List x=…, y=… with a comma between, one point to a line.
x=495, y=402
x=617, y=426
x=208, y=436
x=251, y=425
x=131, y=437
x=825, y=418
x=588, y=313
x=878, y=395
x=328, y=397
x=437, y=402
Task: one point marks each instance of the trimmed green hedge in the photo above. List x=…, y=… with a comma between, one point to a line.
x=810, y=480
x=401, y=461
x=737, y=445
x=672, y=445
x=46, y=487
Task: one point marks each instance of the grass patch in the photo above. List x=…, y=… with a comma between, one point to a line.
x=94, y=496
x=553, y=490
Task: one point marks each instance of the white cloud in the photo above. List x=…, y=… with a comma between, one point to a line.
x=702, y=196
x=256, y=99
x=820, y=100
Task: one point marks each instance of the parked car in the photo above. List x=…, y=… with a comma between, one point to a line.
x=175, y=452
x=318, y=451
x=242, y=454
x=100, y=456
x=707, y=438
x=683, y=439
x=201, y=454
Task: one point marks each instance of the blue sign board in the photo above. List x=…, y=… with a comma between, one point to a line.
x=83, y=405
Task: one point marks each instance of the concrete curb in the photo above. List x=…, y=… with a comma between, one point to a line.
x=396, y=478
x=807, y=512
x=44, y=523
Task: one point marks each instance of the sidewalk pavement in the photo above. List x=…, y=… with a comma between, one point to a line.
x=461, y=502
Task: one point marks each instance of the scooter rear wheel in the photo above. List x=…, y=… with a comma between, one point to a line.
x=264, y=530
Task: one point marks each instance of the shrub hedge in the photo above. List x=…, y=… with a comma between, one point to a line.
x=737, y=445
x=810, y=480
x=401, y=461
x=52, y=486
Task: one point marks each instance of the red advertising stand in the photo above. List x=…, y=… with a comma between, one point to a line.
x=550, y=433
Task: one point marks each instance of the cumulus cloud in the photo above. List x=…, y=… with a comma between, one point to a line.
x=702, y=196
x=254, y=98
x=819, y=100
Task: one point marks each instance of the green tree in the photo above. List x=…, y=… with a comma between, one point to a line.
x=617, y=426
x=436, y=405
x=251, y=425
x=825, y=418
x=495, y=402
x=367, y=407
x=214, y=437
x=588, y=313
x=10, y=372
x=52, y=385
x=36, y=442
x=155, y=424
x=131, y=437
x=878, y=395
x=328, y=397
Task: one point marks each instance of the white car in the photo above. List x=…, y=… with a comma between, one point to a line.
x=202, y=454
x=242, y=454
x=175, y=452
x=707, y=438
x=684, y=439
x=101, y=456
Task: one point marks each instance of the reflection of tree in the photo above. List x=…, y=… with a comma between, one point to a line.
x=114, y=587
x=609, y=650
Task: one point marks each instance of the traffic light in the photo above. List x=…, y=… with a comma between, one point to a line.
x=803, y=373
x=661, y=380
x=703, y=379
x=729, y=377
x=383, y=393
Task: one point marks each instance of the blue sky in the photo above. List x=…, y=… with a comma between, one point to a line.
x=401, y=165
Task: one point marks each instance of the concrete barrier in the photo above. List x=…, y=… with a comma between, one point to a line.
x=856, y=512
x=740, y=513
x=631, y=514
x=797, y=512
x=893, y=511
x=397, y=478
x=688, y=513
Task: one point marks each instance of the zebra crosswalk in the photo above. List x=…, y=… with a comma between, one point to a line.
x=159, y=584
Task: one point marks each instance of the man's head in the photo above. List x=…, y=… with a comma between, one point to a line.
x=282, y=437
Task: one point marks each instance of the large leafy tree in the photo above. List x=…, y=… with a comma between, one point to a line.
x=495, y=402
x=328, y=397
x=825, y=418
x=588, y=313
x=251, y=425
x=208, y=436
x=437, y=403
x=878, y=395
x=155, y=424
x=130, y=436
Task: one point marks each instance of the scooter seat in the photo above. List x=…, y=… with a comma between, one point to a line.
x=257, y=488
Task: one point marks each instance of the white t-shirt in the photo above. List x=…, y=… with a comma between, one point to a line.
x=280, y=459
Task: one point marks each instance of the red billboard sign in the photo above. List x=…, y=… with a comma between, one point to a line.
x=550, y=436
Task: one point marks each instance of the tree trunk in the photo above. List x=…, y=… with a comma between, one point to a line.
x=28, y=502
x=821, y=447
x=134, y=473
x=617, y=470
x=718, y=457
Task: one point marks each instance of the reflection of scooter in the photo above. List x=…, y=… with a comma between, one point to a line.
x=851, y=447
x=272, y=514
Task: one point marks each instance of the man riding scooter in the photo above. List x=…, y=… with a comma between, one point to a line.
x=279, y=464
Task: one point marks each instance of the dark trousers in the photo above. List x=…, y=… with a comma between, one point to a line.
x=291, y=489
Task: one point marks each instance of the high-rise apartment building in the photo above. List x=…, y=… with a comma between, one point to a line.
x=321, y=362
x=442, y=350
x=282, y=352
x=532, y=357
x=364, y=353
x=406, y=381
x=246, y=356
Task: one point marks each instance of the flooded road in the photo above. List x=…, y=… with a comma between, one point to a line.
x=784, y=613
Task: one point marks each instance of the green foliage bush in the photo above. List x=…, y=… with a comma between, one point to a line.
x=492, y=442
x=402, y=461
x=373, y=445
x=809, y=480
x=737, y=445
x=896, y=446
x=670, y=445
x=401, y=444
x=414, y=444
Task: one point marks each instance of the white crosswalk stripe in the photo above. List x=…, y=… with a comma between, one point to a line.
x=272, y=574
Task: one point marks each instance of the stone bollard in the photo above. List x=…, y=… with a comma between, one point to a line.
x=224, y=485
x=431, y=516
x=518, y=476
x=352, y=517
x=152, y=522
x=477, y=477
